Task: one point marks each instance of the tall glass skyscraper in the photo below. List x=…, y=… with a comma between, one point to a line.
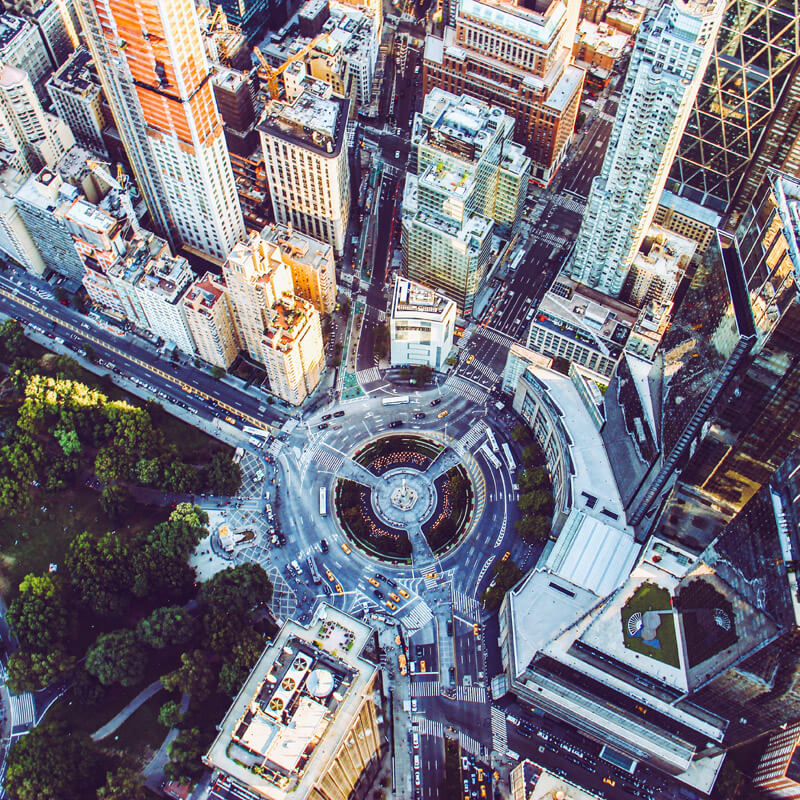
x=746, y=116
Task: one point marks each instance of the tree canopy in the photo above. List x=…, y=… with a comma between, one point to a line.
x=166, y=626
x=117, y=657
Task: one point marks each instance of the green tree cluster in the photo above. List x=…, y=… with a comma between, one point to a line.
x=380, y=342
x=536, y=491
x=506, y=574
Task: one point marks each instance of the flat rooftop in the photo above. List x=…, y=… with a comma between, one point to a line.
x=204, y=292
x=664, y=253
x=516, y=19
x=296, y=706
x=299, y=247
x=310, y=120
x=412, y=300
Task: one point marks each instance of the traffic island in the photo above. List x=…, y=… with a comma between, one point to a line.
x=451, y=519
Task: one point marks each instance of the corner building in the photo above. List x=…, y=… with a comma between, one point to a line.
x=152, y=65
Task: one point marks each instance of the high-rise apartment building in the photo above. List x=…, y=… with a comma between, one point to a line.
x=471, y=178
x=307, y=163
x=152, y=64
x=33, y=138
x=78, y=100
x=210, y=318
x=515, y=56
x=15, y=239
x=777, y=775
x=746, y=116
x=667, y=63
x=305, y=723
x=56, y=22
x=22, y=46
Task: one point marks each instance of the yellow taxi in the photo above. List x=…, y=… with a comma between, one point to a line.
x=374, y=582
x=443, y=413
x=404, y=593
x=471, y=358
x=329, y=575
x=391, y=606
x=346, y=548
x=395, y=597
x=506, y=556
x=476, y=629
x=339, y=589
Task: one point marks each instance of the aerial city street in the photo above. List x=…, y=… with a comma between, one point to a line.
x=399, y=400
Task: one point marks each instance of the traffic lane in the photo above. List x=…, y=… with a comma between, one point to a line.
x=425, y=653
x=468, y=659
x=431, y=772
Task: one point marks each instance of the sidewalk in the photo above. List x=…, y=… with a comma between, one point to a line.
x=137, y=701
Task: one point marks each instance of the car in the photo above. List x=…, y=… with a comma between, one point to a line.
x=404, y=593
x=395, y=423
x=391, y=606
x=449, y=627
x=374, y=582
x=610, y=781
x=470, y=359
x=466, y=787
x=326, y=416
x=230, y=420
x=443, y=413
x=480, y=775
x=397, y=154
x=323, y=545
x=322, y=426
x=416, y=779
x=346, y=548
x=329, y=575
x=436, y=401
x=338, y=413
x=422, y=667
x=506, y=555
x=395, y=597
x=414, y=705
x=452, y=673
x=419, y=415
x=415, y=740
x=339, y=589
x=378, y=593
x=476, y=629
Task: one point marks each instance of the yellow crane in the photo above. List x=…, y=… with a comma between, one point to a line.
x=271, y=74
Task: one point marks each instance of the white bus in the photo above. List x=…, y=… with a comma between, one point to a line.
x=396, y=401
x=490, y=457
x=312, y=568
x=256, y=431
x=323, y=501
x=508, y=457
x=492, y=441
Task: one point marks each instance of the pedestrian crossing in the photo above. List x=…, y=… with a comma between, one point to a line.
x=552, y=239
x=428, y=727
x=469, y=744
x=425, y=688
x=369, y=375
x=486, y=371
x=275, y=447
x=465, y=388
x=329, y=461
x=571, y=203
x=23, y=711
x=471, y=694
x=468, y=606
x=499, y=730
x=417, y=617
x=498, y=337
x=473, y=435
x=430, y=583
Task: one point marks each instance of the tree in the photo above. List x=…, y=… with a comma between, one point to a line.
x=532, y=455
x=39, y=616
x=101, y=572
x=506, y=574
x=533, y=527
x=223, y=475
x=86, y=689
x=520, y=433
x=243, y=656
x=12, y=340
x=534, y=500
x=532, y=478
x=169, y=715
x=579, y=120
x=89, y=352
x=115, y=500
x=117, y=657
x=181, y=478
x=148, y=471
x=344, y=306
x=422, y=374
x=166, y=626
x=184, y=753
x=236, y=590
x=218, y=372
x=124, y=783
x=380, y=346
x=29, y=671
x=182, y=532
x=404, y=374
x=194, y=676
x=53, y=762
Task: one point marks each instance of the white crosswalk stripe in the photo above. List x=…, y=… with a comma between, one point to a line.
x=471, y=694
x=370, y=375
x=465, y=388
x=473, y=435
x=498, y=337
x=469, y=744
x=571, y=203
x=486, y=371
x=428, y=727
x=468, y=606
x=425, y=688
x=417, y=617
x=23, y=712
x=328, y=460
x=275, y=447
x=499, y=730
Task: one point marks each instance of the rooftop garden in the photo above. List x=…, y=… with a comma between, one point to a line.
x=648, y=626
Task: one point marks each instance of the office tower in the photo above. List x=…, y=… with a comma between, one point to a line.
x=471, y=178
x=307, y=163
x=21, y=46
x=311, y=263
x=15, y=240
x=151, y=62
x=515, y=56
x=667, y=64
x=421, y=325
x=78, y=99
x=56, y=21
x=305, y=723
x=777, y=774
x=210, y=318
x=252, y=16
x=746, y=116
x=34, y=139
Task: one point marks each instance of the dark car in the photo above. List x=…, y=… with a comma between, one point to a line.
x=378, y=593
x=419, y=415
x=323, y=545
x=326, y=416
x=418, y=650
x=338, y=413
x=322, y=426
x=436, y=401
x=395, y=423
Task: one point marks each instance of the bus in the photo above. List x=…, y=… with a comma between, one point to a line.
x=508, y=457
x=396, y=401
x=312, y=568
x=323, y=501
x=490, y=457
x=492, y=441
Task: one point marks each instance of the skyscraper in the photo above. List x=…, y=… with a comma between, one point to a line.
x=667, y=63
x=746, y=116
x=152, y=64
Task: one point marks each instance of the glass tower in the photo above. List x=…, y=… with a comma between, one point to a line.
x=746, y=108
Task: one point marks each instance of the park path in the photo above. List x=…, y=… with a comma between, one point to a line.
x=137, y=701
x=154, y=771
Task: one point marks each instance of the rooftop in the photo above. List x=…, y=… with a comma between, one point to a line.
x=78, y=74
x=296, y=706
x=412, y=300
x=289, y=318
x=10, y=26
x=516, y=19
x=690, y=209
x=299, y=247
x=204, y=292
x=602, y=37
x=309, y=120
x=567, y=85
x=664, y=253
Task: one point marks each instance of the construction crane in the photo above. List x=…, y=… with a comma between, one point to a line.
x=271, y=74
x=125, y=201
x=217, y=17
